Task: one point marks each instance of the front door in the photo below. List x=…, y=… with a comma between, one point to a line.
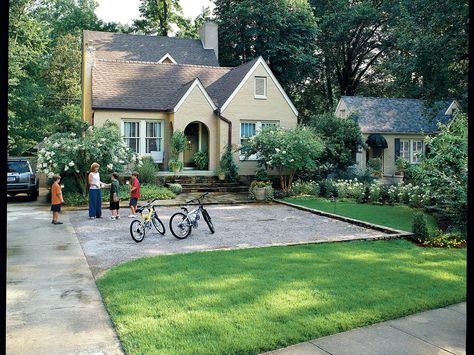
x=192, y=136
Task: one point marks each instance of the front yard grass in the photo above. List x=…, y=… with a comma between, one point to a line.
x=396, y=216
x=254, y=300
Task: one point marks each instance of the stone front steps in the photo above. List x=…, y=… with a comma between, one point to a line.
x=209, y=184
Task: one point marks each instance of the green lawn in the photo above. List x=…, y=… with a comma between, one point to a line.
x=254, y=300
x=396, y=216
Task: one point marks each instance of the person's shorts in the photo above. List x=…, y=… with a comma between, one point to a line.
x=114, y=205
x=133, y=201
x=56, y=208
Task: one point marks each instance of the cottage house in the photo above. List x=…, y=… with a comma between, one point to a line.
x=152, y=85
x=394, y=128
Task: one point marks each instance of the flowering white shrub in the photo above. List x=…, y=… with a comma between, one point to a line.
x=374, y=193
x=349, y=189
x=300, y=187
x=68, y=154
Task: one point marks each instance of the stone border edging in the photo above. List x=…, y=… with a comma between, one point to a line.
x=394, y=233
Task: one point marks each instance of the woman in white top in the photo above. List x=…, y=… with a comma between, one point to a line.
x=95, y=195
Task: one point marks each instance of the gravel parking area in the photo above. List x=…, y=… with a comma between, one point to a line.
x=107, y=242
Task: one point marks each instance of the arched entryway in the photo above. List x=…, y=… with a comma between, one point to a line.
x=197, y=136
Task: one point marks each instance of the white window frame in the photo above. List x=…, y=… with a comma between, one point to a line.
x=405, y=149
x=258, y=127
x=412, y=154
x=125, y=138
x=142, y=135
x=260, y=96
x=159, y=138
x=416, y=156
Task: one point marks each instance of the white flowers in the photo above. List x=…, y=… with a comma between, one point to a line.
x=277, y=150
x=71, y=163
x=66, y=168
x=50, y=175
x=110, y=166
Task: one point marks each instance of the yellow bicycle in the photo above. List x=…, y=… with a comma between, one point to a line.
x=148, y=217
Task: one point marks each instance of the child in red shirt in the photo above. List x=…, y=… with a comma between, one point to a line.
x=134, y=194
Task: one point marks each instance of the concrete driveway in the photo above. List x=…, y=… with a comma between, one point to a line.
x=107, y=243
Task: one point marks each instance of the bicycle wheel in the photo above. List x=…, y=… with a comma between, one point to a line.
x=179, y=225
x=207, y=218
x=137, y=230
x=160, y=228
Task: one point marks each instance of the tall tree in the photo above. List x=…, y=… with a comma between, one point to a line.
x=158, y=16
x=353, y=40
x=430, y=56
x=28, y=43
x=281, y=31
x=189, y=28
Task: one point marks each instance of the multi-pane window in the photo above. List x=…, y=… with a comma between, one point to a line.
x=260, y=87
x=143, y=136
x=405, y=150
x=411, y=150
x=250, y=129
x=417, y=149
x=268, y=124
x=131, y=135
x=153, y=137
x=247, y=130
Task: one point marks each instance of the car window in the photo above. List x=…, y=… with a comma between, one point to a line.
x=18, y=167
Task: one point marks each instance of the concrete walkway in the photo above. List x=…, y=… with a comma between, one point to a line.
x=53, y=305
x=439, y=331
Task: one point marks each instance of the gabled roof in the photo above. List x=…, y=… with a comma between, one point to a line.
x=148, y=86
x=151, y=86
x=120, y=46
x=386, y=115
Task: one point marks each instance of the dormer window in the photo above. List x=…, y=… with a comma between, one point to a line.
x=167, y=59
x=260, y=87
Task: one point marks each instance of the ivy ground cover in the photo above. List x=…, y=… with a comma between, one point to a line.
x=393, y=216
x=254, y=300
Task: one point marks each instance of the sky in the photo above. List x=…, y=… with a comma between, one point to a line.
x=124, y=11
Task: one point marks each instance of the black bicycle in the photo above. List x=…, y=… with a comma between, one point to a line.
x=181, y=223
x=148, y=217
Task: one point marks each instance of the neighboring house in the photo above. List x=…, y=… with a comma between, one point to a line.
x=151, y=86
x=394, y=128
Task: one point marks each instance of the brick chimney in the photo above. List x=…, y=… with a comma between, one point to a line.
x=208, y=36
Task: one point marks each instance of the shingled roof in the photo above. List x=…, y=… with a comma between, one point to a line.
x=120, y=46
x=386, y=115
x=158, y=87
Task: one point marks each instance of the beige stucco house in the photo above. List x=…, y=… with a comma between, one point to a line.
x=394, y=128
x=151, y=86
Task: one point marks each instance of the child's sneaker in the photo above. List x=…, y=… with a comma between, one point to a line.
x=113, y=217
x=117, y=217
x=132, y=216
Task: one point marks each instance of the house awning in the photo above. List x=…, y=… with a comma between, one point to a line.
x=377, y=141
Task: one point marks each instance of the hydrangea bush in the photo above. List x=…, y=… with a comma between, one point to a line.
x=70, y=154
x=289, y=151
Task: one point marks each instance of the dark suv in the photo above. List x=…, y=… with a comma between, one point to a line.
x=21, y=178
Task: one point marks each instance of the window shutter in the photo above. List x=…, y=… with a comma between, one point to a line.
x=397, y=148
